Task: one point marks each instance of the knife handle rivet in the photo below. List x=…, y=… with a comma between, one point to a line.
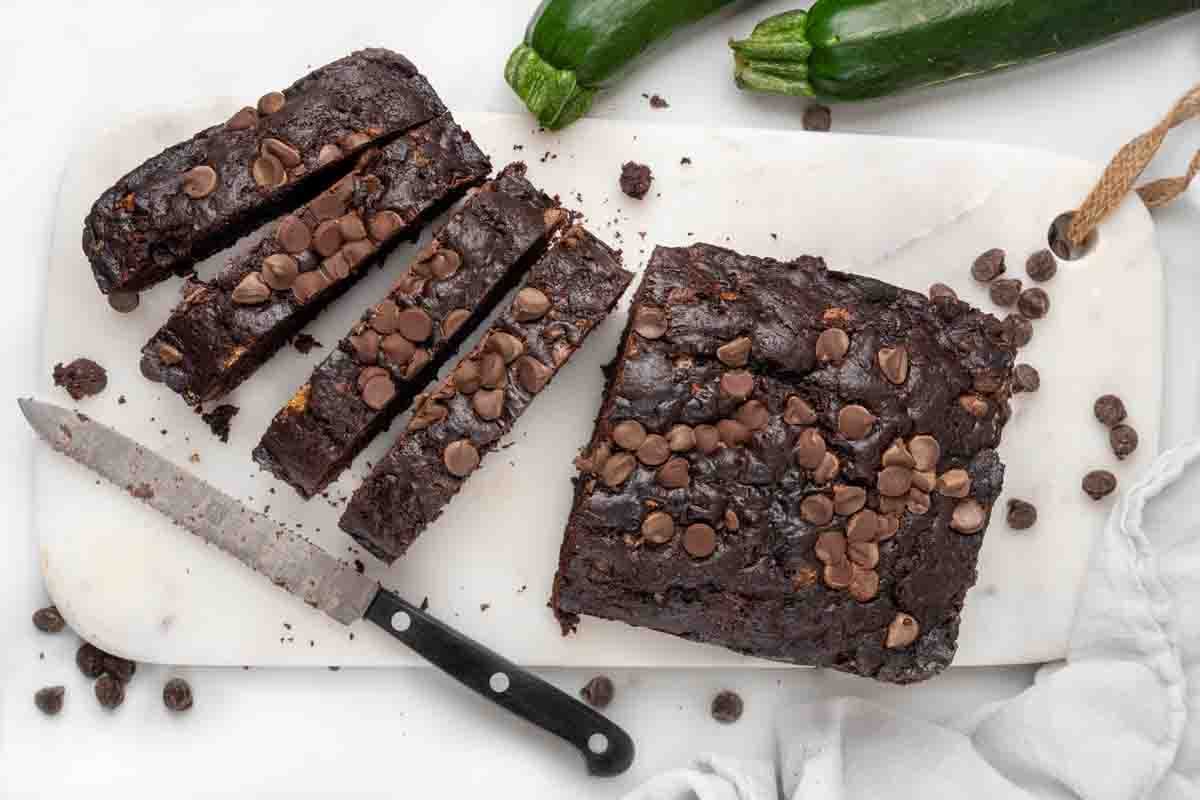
x=400, y=621
x=598, y=743
x=499, y=683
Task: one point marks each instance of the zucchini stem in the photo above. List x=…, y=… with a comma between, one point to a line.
x=774, y=58
x=553, y=95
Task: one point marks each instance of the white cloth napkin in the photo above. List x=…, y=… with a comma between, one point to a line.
x=1119, y=719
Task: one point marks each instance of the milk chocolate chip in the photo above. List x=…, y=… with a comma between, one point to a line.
x=531, y=304
x=674, y=474
x=650, y=322
x=628, y=434
x=532, y=375
x=199, y=182
x=893, y=363
x=699, y=540
x=954, y=483
x=817, y=509
x=658, y=528
x=279, y=271
x=753, y=414
x=855, y=422
x=902, y=632
x=681, y=438
x=488, y=403
x=832, y=345
x=461, y=458
x=293, y=235
x=848, y=499
x=654, y=450
x=268, y=172
x=617, y=469
x=737, y=385
x=735, y=353
x=810, y=448
x=968, y=517
x=271, y=102
x=798, y=412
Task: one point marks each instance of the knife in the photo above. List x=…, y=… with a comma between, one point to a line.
x=297, y=565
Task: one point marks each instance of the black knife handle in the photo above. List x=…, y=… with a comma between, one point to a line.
x=606, y=748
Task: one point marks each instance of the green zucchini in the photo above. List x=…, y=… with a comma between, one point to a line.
x=857, y=49
x=573, y=48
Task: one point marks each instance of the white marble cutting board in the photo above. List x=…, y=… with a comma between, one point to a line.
x=908, y=211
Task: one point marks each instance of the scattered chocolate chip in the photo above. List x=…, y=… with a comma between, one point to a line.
x=378, y=392
x=123, y=302
x=708, y=438
x=461, y=458
x=902, y=632
x=328, y=154
x=893, y=363
x=177, y=695
x=279, y=271
x=268, y=172
x=954, y=483
x=989, y=265
x=968, y=517
x=629, y=434
x=383, y=225
x=1034, y=303
x=817, y=118
x=894, y=481
x=454, y=320
x=753, y=414
x=414, y=324
x=1124, y=440
x=650, y=322
x=654, y=450
x=810, y=448
x=798, y=412
x=617, y=469
x=1041, y=266
x=251, y=291
x=531, y=304
x=49, y=700
x=1005, y=291
x=507, y=345
x=700, y=540
x=674, y=474
x=832, y=345
x=855, y=422
x=735, y=353
x=658, y=527
x=848, y=499
x=635, y=179
x=681, y=438
x=219, y=419
x=199, y=182
x=271, y=102
x=1021, y=515
x=48, y=620
x=243, y=119
x=1109, y=409
x=727, y=707
x=1026, y=378
x=737, y=384
x=940, y=291
x=1099, y=483
x=287, y=155
x=598, y=692
x=1018, y=330
x=110, y=692
x=81, y=378
x=293, y=235
x=817, y=509
x=733, y=433
x=974, y=405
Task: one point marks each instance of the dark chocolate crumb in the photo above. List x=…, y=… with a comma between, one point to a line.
x=658, y=102
x=518, y=147
x=635, y=179
x=177, y=695
x=110, y=692
x=218, y=420
x=305, y=343
x=143, y=491
x=48, y=620
x=81, y=378
x=425, y=604
x=685, y=161
x=727, y=707
x=598, y=692
x=359, y=566
x=49, y=700
x=121, y=400
x=333, y=668
x=484, y=606
x=818, y=118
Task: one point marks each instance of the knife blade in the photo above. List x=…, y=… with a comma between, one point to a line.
x=305, y=570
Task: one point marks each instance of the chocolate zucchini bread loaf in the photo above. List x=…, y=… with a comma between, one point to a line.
x=199, y=196
x=224, y=329
x=402, y=341
x=566, y=295
x=791, y=462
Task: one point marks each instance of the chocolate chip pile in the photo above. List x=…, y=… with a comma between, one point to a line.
x=1032, y=303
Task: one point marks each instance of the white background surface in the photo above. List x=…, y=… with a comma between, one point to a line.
x=291, y=733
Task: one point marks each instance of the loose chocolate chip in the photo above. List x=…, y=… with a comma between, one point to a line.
x=279, y=271
x=848, y=499
x=49, y=700
x=708, y=439
x=461, y=458
x=737, y=384
x=753, y=414
x=123, y=302
x=863, y=526
x=287, y=155
x=1034, y=303
x=507, y=345
x=898, y=455
x=832, y=345
x=1021, y=515
x=1124, y=440
x=327, y=238
x=817, y=118
x=733, y=433
x=681, y=438
x=598, y=691
x=810, y=448
x=732, y=523
x=382, y=225
x=454, y=320
x=954, y=483
x=838, y=574
x=855, y=422
x=798, y=412
x=378, y=392
x=941, y=291
x=650, y=322
x=48, y=620
x=735, y=353
x=242, y=120
x=336, y=267
x=864, y=583
x=817, y=509
x=531, y=304
x=894, y=481
x=414, y=324
x=1041, y=266
x=492, y=372
x=177, y=695
x=271, y=102
x=445, y=262
x=82, y=377
x=367, y=373
x=699, y=540
x=110, y=692
x=293, y=235
x=1018, y=330
x=654, y=450
x=488, y=403
x=968, y=517
x=830, y=547
x=629, y=434
x=199, y=182
x=902, y=632
x=635, y=179
x=1099, y=483
x=727, y=707
x=674, y=474
x=918, y=502
x=1109, y=409
x=1005, y=291
x=988, y=266
x=893, y=363
x=1026, y=378
x=396, y=348
x=617, y=469
x=974, y=405
x=658, y=528
x=827, y=470
x=268, y=172
x=251, y=291
x=926, y=452
x=328, y=154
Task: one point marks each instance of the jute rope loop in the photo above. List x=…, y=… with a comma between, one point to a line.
x=1127, y=166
